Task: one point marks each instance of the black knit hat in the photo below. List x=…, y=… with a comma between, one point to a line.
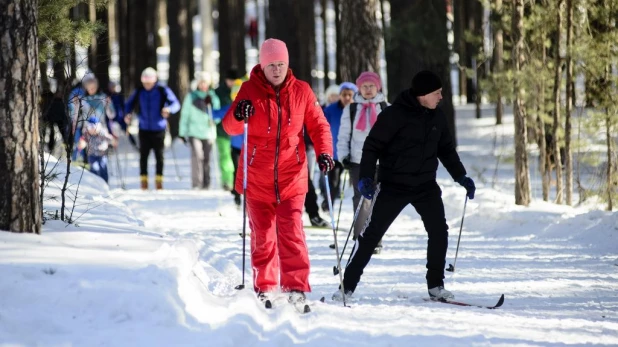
x=424, y=83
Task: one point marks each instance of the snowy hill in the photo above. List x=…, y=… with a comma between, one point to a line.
x=159, y=268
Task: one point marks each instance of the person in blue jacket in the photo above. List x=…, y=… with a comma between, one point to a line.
x=152, y=104
x=333, y=114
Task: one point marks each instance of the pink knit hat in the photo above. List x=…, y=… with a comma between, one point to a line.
x=369, y=76
x=273, y=50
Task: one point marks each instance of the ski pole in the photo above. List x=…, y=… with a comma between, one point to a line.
x=341, y=195
x=451, y=267
x=178, y=177
x=337, y=269
x=119, y=168
x=332, y=223
x=214, y=149
x=373, y=201
x=244, y=203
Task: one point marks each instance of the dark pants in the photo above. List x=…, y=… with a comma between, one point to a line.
x=311, y=199
x=64, y=131
x=98, y=166
x=235, y=157
x=427, y=200
x=151, y=140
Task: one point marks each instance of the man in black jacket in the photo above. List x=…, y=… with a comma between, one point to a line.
x=408, y=139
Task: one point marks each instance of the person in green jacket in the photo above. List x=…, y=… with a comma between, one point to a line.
x=226, y=164
x=198, y=128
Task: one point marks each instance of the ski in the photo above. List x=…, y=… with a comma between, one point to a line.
x=300, y=307
x=459, y=303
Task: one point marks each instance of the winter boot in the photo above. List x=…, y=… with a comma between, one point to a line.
x=263, y=297
x=144, y=181
x=296, y=297
x=338, y=297
x=159, y=182
x=318, y=222
x=440, y=293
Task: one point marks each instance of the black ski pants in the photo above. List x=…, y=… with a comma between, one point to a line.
x=151, y=140
x=389, y=202
x=235, y=157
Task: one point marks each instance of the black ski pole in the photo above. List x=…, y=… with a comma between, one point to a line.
x=337, y=269
x=451, y=267
x=332, y=223
x=244, y=204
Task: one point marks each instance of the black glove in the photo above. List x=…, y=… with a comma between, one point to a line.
x=325, y=162
x=467, y=183
x=244, y=109
x=346, y=162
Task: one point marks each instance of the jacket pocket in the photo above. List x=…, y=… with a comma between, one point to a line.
x=258, y=148
x=293, y=142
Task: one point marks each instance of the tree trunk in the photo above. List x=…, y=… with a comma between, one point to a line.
x=141, y=34
x=522, y=174
x=569, y=103
x=122, y=20
x=181, y=56
x=498, y=63
x=20, y=209
x=557, y=105
x=323, y=4
x=338, y=42
x=232, y=35
x=610, y=164
x=412, y=46
x=544, y=160
x=99, y=51
x=461, y=47
x=293, y=22
x=361, y=47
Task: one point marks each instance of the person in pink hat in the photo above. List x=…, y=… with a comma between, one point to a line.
x=276, y=106
x=356, y=121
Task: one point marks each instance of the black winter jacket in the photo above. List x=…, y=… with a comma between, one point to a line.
x=408, y=139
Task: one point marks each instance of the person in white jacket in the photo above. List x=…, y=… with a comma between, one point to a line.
x=356, y=122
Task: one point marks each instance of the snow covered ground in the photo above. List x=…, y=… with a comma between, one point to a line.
x=159, y=269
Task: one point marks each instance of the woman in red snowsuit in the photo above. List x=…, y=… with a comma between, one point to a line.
x=276, y=106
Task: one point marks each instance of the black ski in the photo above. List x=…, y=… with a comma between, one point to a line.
x=459, y=303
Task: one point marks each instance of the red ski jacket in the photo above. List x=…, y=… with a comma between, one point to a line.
x=277, y=163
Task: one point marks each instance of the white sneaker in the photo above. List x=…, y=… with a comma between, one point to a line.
x=337, y=296
x=440, y=293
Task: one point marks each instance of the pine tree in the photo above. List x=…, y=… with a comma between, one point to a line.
x=20, y=209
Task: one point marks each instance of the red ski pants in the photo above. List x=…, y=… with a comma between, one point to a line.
x=278, y=250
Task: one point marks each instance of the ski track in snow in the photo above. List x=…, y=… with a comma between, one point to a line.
x=159, y=269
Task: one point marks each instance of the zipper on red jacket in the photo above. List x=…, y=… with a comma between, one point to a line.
x=277, y=145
